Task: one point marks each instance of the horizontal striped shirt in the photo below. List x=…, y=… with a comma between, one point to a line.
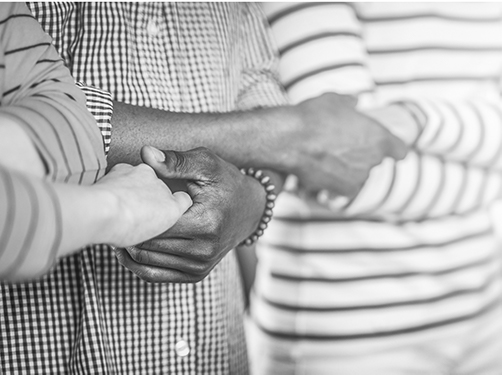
x=415, y=251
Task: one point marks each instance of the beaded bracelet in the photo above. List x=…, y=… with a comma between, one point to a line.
x=271, y=197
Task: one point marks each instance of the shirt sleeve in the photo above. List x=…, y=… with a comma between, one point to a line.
x=53, y=16
x=321, y=49
x=451, y=168
x=40, y=95
x=260, y=85
x=30, y=225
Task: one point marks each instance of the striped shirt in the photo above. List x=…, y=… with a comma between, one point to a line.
x=415, y=251
x=39, y=94
x=95, y=315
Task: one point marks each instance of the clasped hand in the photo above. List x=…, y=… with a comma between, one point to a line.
x=334, y=146
x=227, y=207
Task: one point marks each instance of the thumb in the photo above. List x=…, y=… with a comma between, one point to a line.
x=182, y=200
x=186, y=165
x=152, y=156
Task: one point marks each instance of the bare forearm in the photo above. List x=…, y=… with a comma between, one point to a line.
x=324, y=141
x=242, y=138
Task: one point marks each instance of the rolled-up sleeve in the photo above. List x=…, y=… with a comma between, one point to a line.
x=260, y=85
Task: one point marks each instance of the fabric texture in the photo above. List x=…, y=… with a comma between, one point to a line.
x=413, y=260
x=38, y=94
x=94, y=315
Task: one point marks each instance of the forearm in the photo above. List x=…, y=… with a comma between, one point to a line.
x=423, y=186
x=468, y=130
x=89, y=215
x=43, y=222
x=242, y=138
x=17, y=151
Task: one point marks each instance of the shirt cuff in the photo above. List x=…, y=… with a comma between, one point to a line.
x=100, y=104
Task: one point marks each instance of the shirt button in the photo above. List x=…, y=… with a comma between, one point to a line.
x=152, y=28
x=182, y=348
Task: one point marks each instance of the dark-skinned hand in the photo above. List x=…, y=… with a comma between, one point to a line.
x=227, y=207
x=333, y=146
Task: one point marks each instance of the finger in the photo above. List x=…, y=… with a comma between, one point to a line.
x=329, y=179
x=338, y=203
x=183, y=201
x=185, y=248
x=166, y=260
x=187, y=165
x=121, y=167
x=350, y=100
x=396, y=148
x=153, y=274
x=145, y=168
x=193, y=223
x=151, y=155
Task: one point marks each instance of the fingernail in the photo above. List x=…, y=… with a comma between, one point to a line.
x=159, y=155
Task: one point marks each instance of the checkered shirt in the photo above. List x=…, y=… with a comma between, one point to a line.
x=90, y=315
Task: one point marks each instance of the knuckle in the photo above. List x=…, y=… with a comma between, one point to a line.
x=140, y=255
x=200, y=269
x=206, y=156
x=144, y=168
x=207, y=254
x=179, y=161
x=210, y=161
x=213, y=222
x=121, y=167
x=175, y=161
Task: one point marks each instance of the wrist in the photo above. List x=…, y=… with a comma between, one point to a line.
x=89, y=207
x=108, y=222
x=274, y=134
x=267, y=202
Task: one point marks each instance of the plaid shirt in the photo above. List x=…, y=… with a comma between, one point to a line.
x=90, y=315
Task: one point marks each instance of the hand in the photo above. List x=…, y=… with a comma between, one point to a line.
x=227, y=207
x=334, y=146
x=398, y=121
x=143, y=206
